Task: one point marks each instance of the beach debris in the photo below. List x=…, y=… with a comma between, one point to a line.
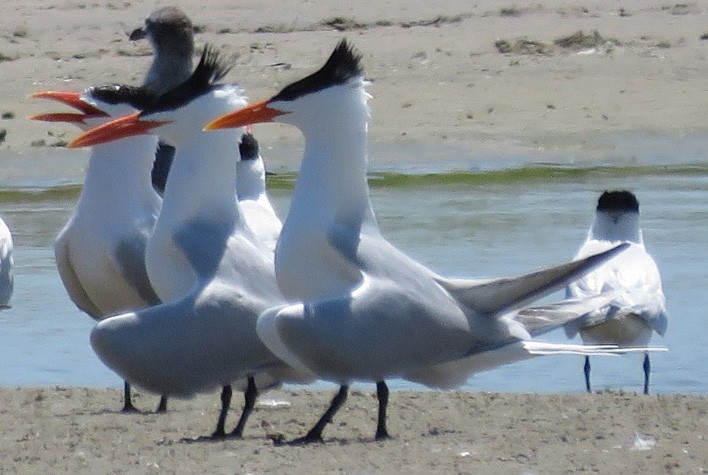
x=642, y=442
x=273, y=404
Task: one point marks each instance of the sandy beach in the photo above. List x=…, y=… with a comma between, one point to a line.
x=551, y=80
x=450, y=79
x=78, y=430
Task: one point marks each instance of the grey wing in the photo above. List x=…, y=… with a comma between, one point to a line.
x=571, y=313
x=71, y=281
x=506, y=294
x=129, y=258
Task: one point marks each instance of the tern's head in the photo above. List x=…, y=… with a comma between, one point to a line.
x=180, y=113
x=248, y=147
x=171, y=35
x=96, y=105
x=333, y=97
x=617, y=217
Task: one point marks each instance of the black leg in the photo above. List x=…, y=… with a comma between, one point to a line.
x=162, y=407
x=647, y=369
x=127, y=401
x=315, y=434
x=250, y=397
x=586, y=369
x=382, y=395
x=226, y=393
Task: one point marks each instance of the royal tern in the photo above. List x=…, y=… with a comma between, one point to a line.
x=7, y=273
x=100, y=252
x=366, y=311
x=251, y=192
x=639, y=309
x=217, y=273
x=171, y=35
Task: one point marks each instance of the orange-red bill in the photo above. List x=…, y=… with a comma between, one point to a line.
x=253, y=114
x=71, y=99
x=127, y=126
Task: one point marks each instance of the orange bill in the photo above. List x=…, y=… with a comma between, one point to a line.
x=128, y=126
x=253, y=114
x=71, y=99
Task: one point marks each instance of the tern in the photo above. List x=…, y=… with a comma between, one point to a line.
x=171, y=35
x=252, y=195
x=639, y=309
x=100, y=252
x=216, y=275
x=364, y=311
x=7, y=264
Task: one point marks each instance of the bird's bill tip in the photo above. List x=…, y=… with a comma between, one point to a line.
x=69, y=117
x=253, y=114
x=128, y=126
x=61, y=96
x=72, y=99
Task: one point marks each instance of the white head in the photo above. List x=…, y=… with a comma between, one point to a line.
x=179, y=114
x=307, y=103
x=96, y=105
x=617, y=218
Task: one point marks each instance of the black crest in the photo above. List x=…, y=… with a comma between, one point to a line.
x=136, y=96
x=342, y=65
x=248, y=148
x=618, y=201
x=209, y=71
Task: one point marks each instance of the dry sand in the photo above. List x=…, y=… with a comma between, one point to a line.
x=440, y=86
x=55, y=430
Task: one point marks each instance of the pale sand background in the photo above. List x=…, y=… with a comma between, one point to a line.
x=440, y=87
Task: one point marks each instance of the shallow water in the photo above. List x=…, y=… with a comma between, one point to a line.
x=464, y=224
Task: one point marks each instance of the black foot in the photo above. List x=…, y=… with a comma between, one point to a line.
x=586, y=370
x=315, y=434
x=128, y=408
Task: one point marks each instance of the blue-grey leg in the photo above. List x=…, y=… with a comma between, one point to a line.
x=586, y=370
x=647, y=369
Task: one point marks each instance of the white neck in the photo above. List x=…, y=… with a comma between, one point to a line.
x=616, y=226
x=332, y=183
x=250, y=179
x=331, y=196
x=202, y=177
x=120, y=168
